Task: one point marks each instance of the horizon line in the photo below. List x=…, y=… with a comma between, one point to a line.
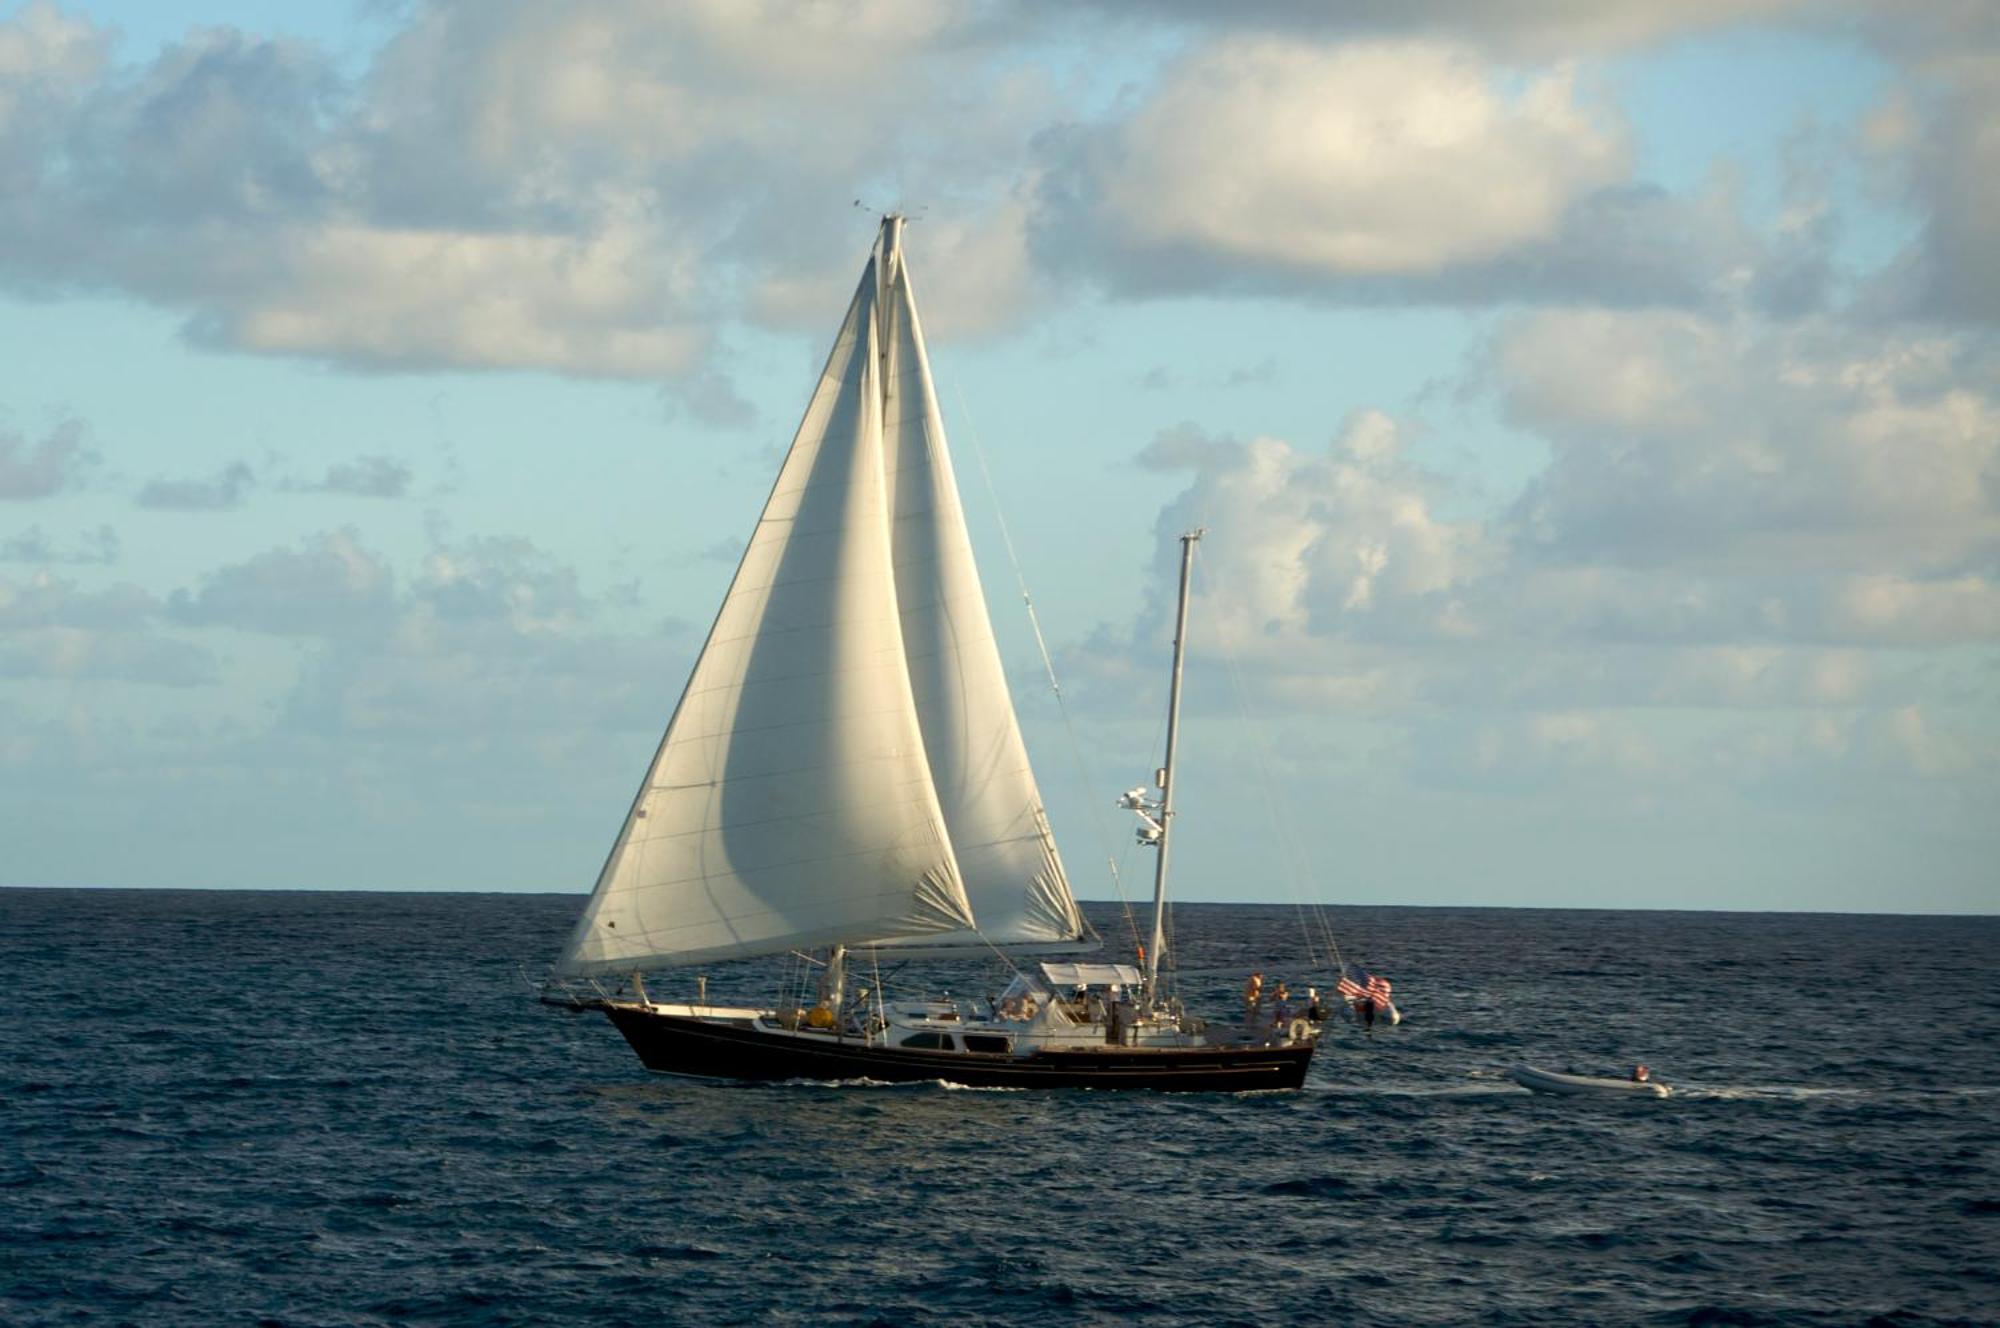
x=1224, y=903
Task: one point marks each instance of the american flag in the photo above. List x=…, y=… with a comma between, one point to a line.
x=1369, y=985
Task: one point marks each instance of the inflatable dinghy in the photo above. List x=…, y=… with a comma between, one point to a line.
x=1577, y=1085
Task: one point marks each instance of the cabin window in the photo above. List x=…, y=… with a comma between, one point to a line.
x=985, y=1042
x=928, y=1041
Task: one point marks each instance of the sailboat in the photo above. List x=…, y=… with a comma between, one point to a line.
x=845, y=773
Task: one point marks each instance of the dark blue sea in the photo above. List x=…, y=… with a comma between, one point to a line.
x=273, y=1108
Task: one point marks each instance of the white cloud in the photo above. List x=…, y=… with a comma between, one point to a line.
x=1737, y=515
x=1888, y=607
x=1390, y=159
x=1411, y=171
x=1934, y=136
x=47, y=60
x=33, y=545
x=1733, y=441
x=330, y=586
x=596, y=190
x=1906, y=736
x=1576, y=744
x=79, y=654
x=389, y=298
x=53, y=628
x=224, y=489
x=591, y=190
x=47, y=468
x=501, y=583
x=1530, y=27
x=365, y=477
x=43, y=600
x=1338, y=543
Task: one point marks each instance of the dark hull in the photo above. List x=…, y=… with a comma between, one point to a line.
x=673, y=1044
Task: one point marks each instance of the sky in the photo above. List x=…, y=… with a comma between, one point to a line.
x=1593, y=405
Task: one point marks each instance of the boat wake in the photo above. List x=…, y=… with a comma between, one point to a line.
x=1474, y=1090
x=909, y=1085
x=1767, y=1092
x=1815, y=1092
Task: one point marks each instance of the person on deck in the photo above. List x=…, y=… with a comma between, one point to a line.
x=1253, y=997
x=1640, y=1074
x=1314, y=1010
x=1365, y=1007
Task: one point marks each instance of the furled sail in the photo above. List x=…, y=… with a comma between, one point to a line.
x=791, y=803
x=978, y=763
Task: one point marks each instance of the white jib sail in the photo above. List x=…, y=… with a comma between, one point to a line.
x=978, y=763
x=790, y=803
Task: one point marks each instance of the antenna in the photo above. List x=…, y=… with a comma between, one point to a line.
x=913, y=214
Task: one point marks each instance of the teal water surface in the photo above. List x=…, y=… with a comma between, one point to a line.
x=310, y=1109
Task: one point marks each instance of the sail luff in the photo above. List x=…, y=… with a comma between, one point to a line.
x=789, y=802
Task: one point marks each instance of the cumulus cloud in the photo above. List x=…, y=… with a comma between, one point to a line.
x=379, y=297
x=1407, y=171
x=222, y=490
x=590, y=190
x=365, y=477
x=329, y=586
x=1346, y=159
x=473, y=696
x=76, y=654
x=1906, y=734
x=1814, y=446
x=33, y=545
x=503, y=582
x=1737, y=513
x=482, y=681
x=549, y=698
x=58, y=462
x=1528, y=27
x=1934, y=138
x=1736, y=481
x=1324, y=565
x=489, y=641
x=48, y=601
x=52, y=628
x=1547, y=748
x=597, y=190
x=489, y=591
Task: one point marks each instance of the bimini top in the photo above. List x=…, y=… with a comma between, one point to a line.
x=1091, y=975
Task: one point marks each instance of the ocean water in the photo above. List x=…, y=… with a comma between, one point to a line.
x=237, y=1108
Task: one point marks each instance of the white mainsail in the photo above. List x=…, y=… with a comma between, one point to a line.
x=979, y=765
x=845, y=765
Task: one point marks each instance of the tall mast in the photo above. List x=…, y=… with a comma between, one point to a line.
x=889, y=240
x=1166, y=806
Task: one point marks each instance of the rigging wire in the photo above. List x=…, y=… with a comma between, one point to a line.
x=1048, y=663
x=1293, y=855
